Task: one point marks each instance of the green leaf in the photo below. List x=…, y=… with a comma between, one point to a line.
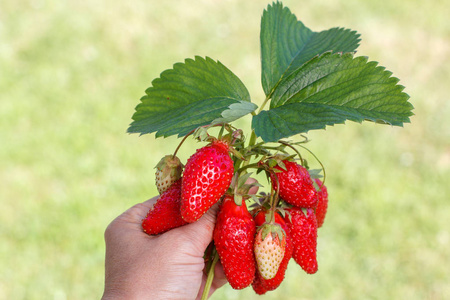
x=235, y=111
x=331, y=89
x=286, y=44
x=192, y=94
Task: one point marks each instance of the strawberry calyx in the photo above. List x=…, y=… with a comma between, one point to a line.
x=170, y=165
x=243, y=187
x=220, y=143
x=168, y=170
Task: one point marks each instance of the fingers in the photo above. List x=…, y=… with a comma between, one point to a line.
x=199, y=234
x=130, y=219
x=139, y=211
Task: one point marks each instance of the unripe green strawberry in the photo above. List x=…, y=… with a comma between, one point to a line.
x=322, y=203
x=165, y=213
x=295, y=183
x=168, y=170
x=261, y=285
x=234, y=235
x=304, y=236
x=206, y=178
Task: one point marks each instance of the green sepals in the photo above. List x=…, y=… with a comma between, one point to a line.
x=282, y=211
x=201, y=134
x=278, y=160
x=255, y=199
x=170, y=166
x=238, y=199
x=195, y=93
x=240, y=188
x=286, y=44
x=305, y=164
x=258, y=149
x=243, y=179
x=287, y=214
x=238, y=136
x=330, y=89
x=237, y=153
x=275, y=230
x=315, y=173
x=282, y=165
x=259, y=200
x=268, y=217
x=262, y=202
x=272, y=163
x=316, y=186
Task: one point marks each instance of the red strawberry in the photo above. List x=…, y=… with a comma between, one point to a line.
x=304, y=237
x=165, y=214
x=168, y=170
x=296, y=185
x=260, y=284
x=234, y=235
x=206, y=178
x=322, y=203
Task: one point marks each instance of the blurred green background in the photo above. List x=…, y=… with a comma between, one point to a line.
x=71, y=73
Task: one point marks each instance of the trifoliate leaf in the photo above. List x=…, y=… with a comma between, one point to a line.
x=331, y=89
x=192, y=94
x=287, y=43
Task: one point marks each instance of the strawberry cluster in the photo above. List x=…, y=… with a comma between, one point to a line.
x=254, y=244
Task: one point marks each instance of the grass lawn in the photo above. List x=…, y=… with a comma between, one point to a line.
x=71, y=73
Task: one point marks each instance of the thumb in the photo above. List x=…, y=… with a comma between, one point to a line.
x=200, y=233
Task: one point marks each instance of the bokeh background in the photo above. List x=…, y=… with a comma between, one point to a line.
x=71, y=73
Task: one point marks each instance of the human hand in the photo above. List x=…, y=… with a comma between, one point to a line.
x=165, y=266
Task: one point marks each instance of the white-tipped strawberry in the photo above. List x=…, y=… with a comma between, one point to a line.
x=168, y=170
x=269, y=248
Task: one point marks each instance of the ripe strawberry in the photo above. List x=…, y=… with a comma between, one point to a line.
x=168, y=170
x=304, y=237
x=260, y=284
x=165, y=214
x=234, y=235
x=322, y=203
x=296, y=185
x=206, y=178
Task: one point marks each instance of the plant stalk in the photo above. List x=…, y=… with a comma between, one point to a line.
x=210, y=277
x=264, y=103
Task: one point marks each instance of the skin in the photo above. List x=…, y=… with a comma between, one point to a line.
x=165, y=266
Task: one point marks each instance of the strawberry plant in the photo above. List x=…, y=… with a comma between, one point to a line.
x=310, y=80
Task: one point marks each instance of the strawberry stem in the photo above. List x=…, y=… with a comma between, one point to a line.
x=210, y=277
x=253, y=138
x=191, y=132
x=221, y=132
x=274, y=198
x=265, y=102
x=318, y=160
x=293, y=148
x=182, y=141
x=254, y=165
